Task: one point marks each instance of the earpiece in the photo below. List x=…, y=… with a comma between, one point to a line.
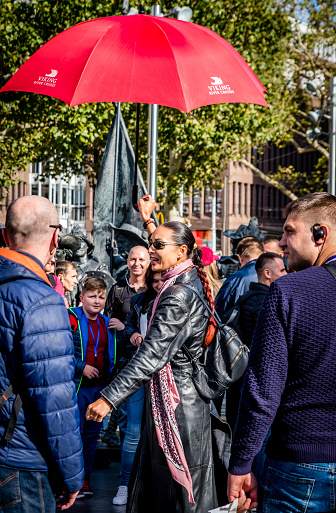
x=318, y=233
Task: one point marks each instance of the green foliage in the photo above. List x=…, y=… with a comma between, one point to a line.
x=306, y=182
x=312, y=46
x=193, y=148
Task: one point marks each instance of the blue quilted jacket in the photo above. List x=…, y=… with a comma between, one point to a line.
x=36, y=357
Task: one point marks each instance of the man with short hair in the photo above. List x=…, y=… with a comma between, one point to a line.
x=291, y=375
x=41, y=433
x=272, y=245
x=269, y=267
x=248, y=250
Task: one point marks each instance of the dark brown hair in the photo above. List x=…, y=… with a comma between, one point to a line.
x=318, y=207
x=182, y=235
x=150, y=293
x=63, y=266
x=264, y=260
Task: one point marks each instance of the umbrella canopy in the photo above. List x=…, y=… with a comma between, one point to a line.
x=142, y=59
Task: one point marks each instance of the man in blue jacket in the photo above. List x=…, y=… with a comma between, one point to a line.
x=248, y=250
x=40, y=436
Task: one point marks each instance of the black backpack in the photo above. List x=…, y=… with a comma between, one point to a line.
x=223, y=362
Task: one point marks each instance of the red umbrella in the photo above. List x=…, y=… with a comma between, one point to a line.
x=142, y=59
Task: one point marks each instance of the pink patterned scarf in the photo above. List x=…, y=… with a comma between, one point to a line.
x=165, y=398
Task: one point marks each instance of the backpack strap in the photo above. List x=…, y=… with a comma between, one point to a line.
x=213, y=314
x=15, y=411
x=13, y=419
x=6, y=395
x=330, y=269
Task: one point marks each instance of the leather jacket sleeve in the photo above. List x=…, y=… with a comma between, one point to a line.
x=110, y=302
x=177, y=318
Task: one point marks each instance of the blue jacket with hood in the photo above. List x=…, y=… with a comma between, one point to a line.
x=81, y=338
x=36, y=357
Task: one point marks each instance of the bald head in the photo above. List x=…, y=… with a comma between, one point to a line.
x=27, y=223
x=138, y=261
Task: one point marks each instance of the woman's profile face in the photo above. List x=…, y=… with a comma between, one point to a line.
x=69, y=279
x=157, y=282
x=170, y=255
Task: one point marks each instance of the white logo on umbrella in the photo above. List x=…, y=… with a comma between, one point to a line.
x=54, y=72
x=216, y=81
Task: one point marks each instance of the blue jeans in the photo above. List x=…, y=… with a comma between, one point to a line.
x=25, y=491
x=298, y=487
x=131, y=430
x=89, y=428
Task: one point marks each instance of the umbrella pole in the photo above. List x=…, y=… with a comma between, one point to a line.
x=115, y=172
x=135, y=186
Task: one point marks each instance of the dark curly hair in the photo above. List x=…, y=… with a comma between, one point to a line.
x=182, y=235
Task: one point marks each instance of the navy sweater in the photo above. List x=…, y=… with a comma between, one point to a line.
x=290, y=381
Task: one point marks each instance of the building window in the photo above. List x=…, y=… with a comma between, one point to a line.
x=234, y=198
x=57, y=194
x=245, y=199
x=64, y=196
x=257, y=202
x=185, y=204
x=262, y=193
x=34, y=189
x=274, y=203
x=219, y=203
x=45, y=190
x=251, y=201
x=196, y=203
x=207, y=200
x=239, y=198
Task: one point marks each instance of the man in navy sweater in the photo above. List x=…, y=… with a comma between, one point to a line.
x=291, y=377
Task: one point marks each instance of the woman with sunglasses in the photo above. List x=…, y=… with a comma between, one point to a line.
x=173, y=470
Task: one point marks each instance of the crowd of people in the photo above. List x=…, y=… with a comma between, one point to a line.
x=120, y=354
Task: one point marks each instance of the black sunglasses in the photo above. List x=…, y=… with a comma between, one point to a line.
x=160, y=244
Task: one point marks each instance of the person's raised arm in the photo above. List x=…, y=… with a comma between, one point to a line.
x=146, y=207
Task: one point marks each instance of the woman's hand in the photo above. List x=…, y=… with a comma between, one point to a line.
x=136, y=339
x=115, y=323
x=146, y=206
x=98, y=410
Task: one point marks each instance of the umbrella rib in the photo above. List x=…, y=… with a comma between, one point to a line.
x=176, y=64
x=86, y=64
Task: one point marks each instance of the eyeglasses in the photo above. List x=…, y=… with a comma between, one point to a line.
x=160, y=244
x=60, y=228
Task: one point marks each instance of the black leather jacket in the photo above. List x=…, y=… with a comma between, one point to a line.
x=180, y=318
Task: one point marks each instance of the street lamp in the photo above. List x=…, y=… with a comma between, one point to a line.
x=313, y=134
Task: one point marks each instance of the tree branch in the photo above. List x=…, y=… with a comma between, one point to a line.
x=314, y=144
x=269, y=180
